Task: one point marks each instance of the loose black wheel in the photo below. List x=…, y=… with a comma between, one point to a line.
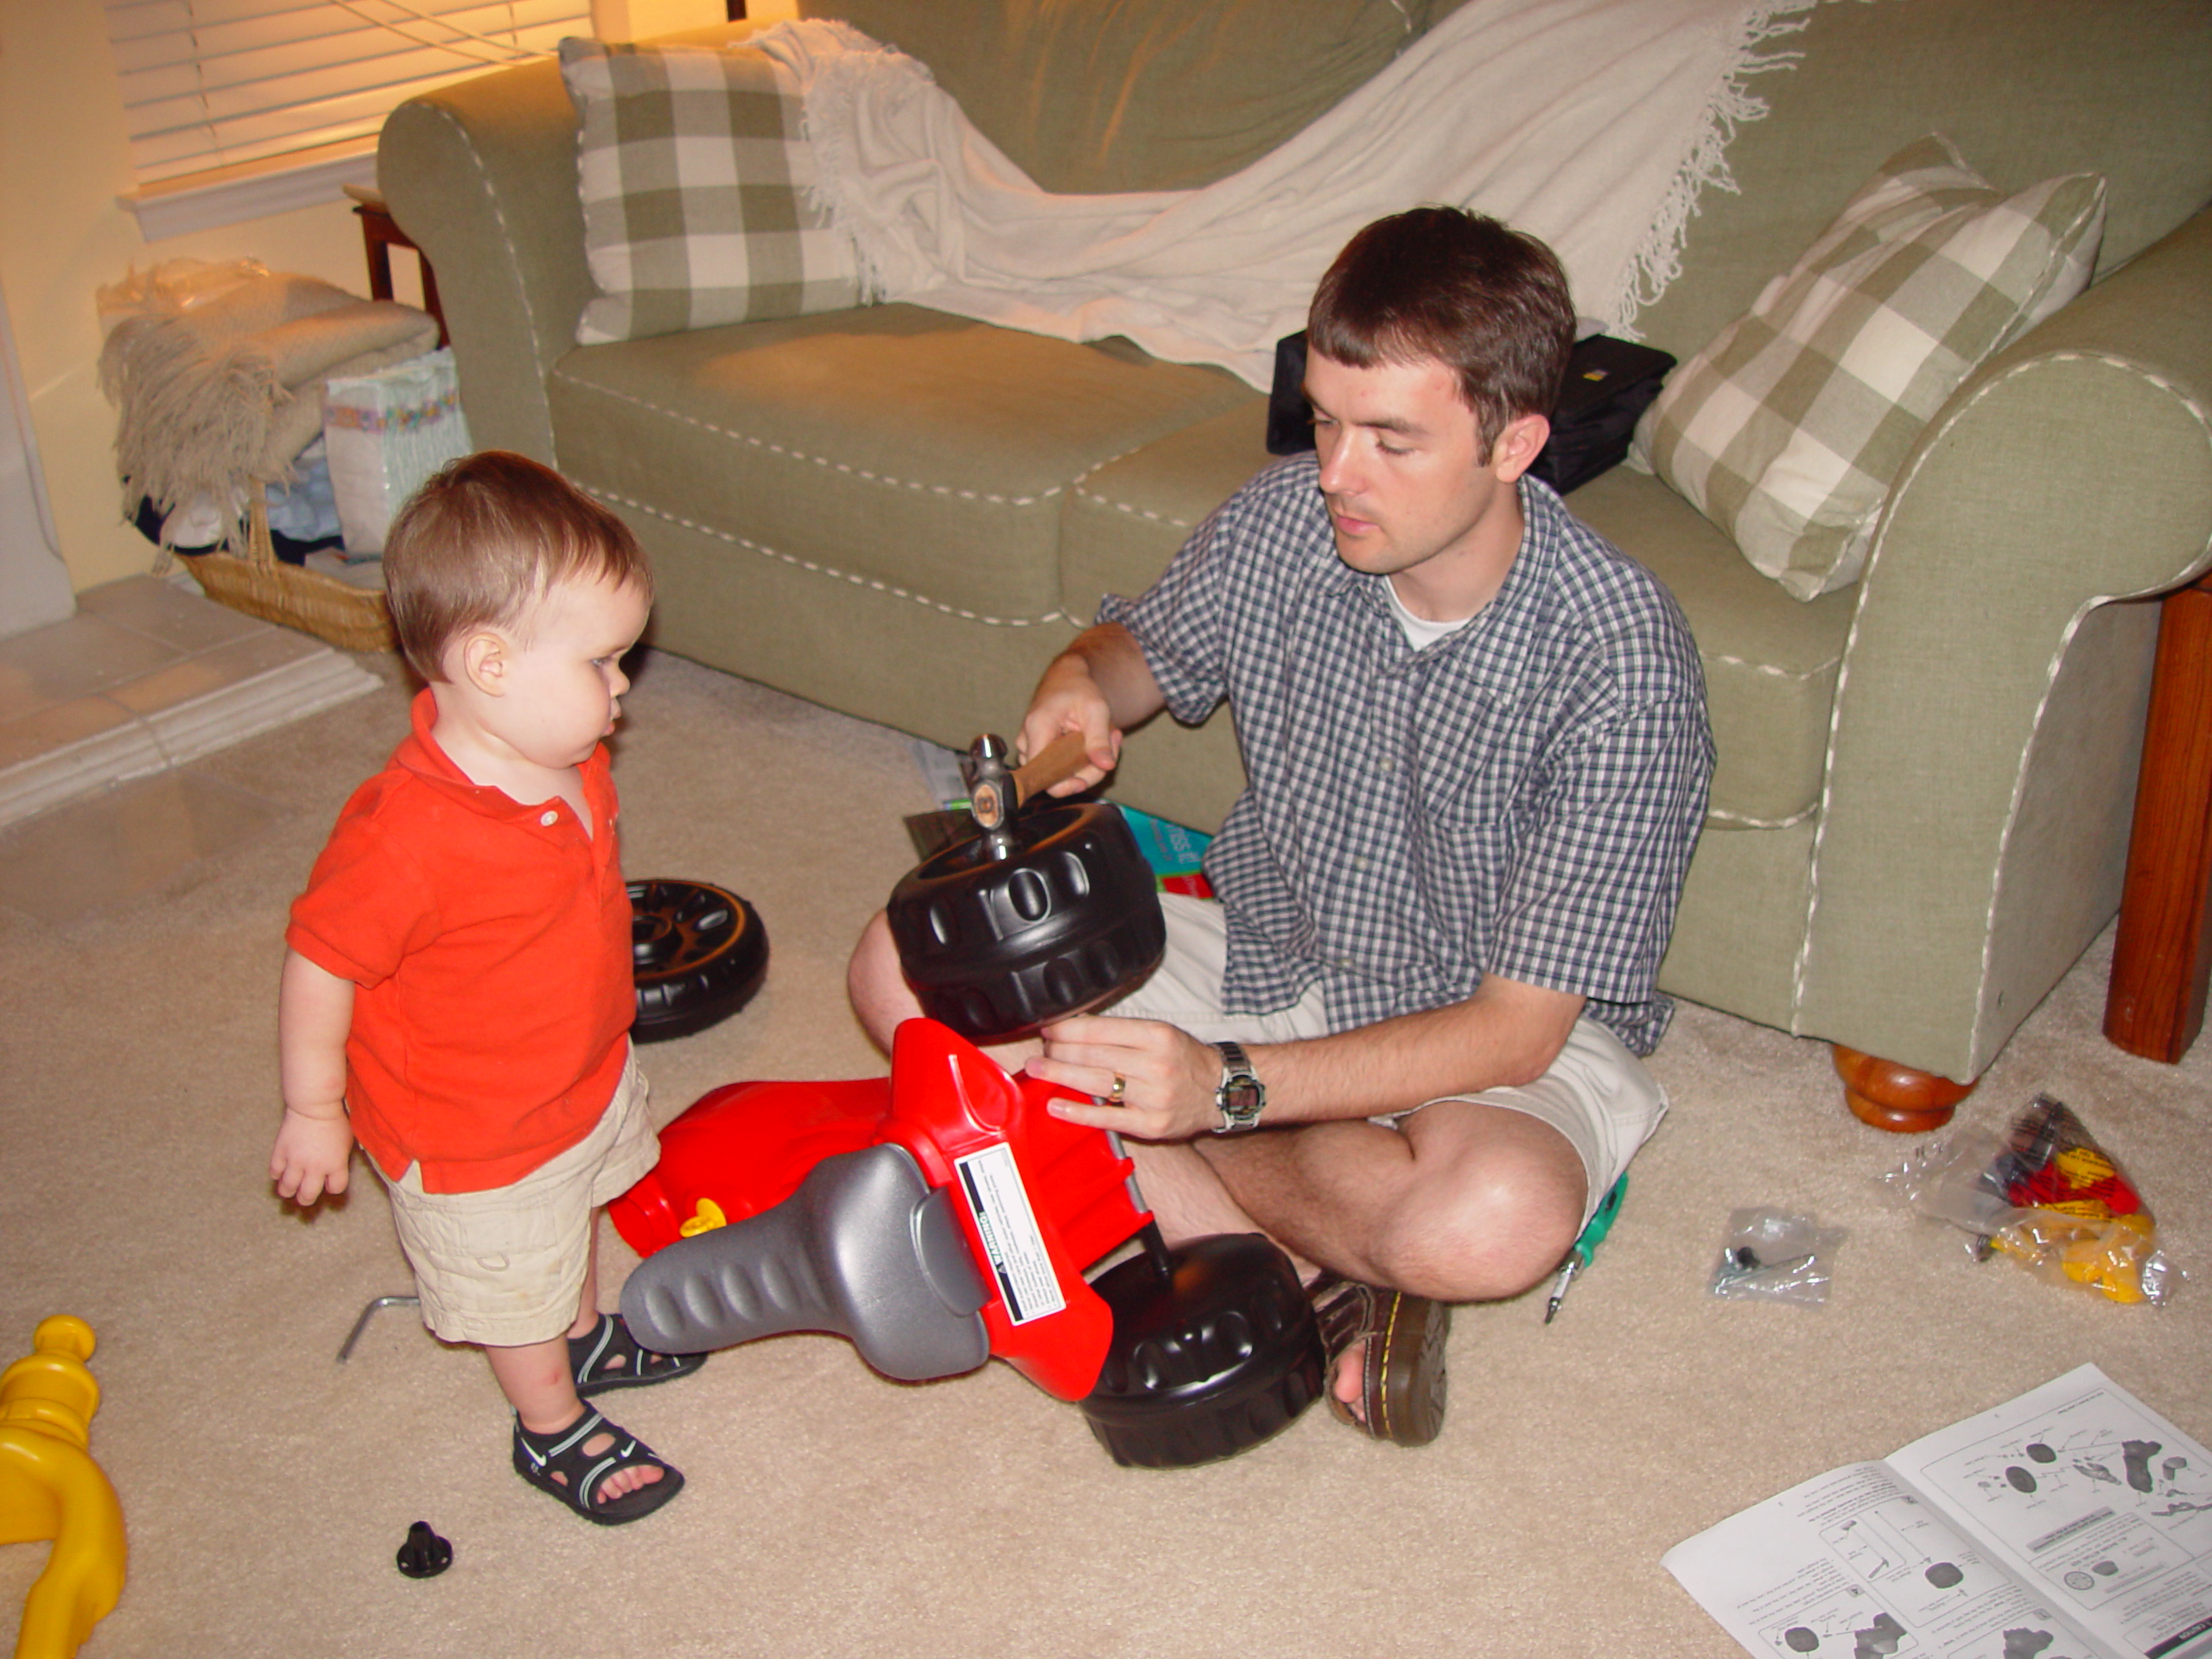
x=1208, y=1362
x=698, y=954
x=995, y=947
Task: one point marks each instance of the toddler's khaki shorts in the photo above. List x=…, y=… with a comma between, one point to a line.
x=506, y=1267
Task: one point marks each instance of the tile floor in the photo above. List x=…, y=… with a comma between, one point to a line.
x=98, y=712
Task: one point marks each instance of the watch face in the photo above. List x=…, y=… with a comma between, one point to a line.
x=1242, y=1096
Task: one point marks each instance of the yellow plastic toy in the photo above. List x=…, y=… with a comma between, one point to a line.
x=51, y=1487
x=705, y=1219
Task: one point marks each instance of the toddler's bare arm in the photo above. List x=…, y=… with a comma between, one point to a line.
x=314, y=1008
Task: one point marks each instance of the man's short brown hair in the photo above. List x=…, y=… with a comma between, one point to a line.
x=1489, y=303
x=485, y=540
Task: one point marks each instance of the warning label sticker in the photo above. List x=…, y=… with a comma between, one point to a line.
x=1020, y=1262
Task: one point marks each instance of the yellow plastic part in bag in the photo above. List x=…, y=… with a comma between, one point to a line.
x=2108, y=1255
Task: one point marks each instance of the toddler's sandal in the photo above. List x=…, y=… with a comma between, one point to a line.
x=609, y=1356
x=558, y=1464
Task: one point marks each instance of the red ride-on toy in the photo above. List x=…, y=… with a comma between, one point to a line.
x=942, y=1214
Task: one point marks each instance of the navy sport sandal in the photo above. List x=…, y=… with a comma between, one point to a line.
x=608, y=1357
x=558, y=1464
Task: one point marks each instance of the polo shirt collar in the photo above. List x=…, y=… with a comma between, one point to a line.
x=419, y=754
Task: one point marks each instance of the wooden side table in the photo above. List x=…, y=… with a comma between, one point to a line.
x=2154, y=1006
x=380, y=234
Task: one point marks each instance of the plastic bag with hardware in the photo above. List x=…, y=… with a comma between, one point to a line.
x=1767, y=1255
x=2042, y=1191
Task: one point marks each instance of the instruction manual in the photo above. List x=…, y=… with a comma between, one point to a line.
x=2073, y=1522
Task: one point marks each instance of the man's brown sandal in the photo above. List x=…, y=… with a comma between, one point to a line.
x=1402, y=1380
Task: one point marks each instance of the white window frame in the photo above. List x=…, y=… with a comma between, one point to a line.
x=166, y=51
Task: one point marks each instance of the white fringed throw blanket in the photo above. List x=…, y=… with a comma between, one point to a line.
x=1592, y=123
x=217, y=373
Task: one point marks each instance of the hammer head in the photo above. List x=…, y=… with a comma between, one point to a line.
x=990, y=782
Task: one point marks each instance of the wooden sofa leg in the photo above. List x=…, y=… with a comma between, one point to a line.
x=2162, y=951
x=1895, y=1097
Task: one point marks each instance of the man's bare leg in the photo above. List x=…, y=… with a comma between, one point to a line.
x=1187, y=1197
x=883, y=1000
x=1463, y=1203
x=881, y=996
x=1460, y=1203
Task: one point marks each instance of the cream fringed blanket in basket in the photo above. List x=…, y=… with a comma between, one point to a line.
x=217, y=375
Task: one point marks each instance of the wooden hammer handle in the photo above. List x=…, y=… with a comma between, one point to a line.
x=1061, y=758
x=994, y=805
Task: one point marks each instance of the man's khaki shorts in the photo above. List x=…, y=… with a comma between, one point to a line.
x=1597, y=1094
x=506, y=1267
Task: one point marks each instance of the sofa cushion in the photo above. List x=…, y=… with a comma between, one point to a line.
x=897, y=447
x=1787, y=429
x=1094, y=98
x=1125, y=519
x=693, y=179
x=2028, y=91
x=1769, y=662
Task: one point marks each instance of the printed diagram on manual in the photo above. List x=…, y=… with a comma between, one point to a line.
x=2073, y=1522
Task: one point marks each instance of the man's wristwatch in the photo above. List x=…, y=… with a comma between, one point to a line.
x=1242, y=1098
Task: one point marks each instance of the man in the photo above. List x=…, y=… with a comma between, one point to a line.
x=1477, y=758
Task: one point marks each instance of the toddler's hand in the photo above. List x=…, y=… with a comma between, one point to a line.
x=311, y=1156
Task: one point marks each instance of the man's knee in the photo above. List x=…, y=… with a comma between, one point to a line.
x=874, y=984
x=1485, y=1233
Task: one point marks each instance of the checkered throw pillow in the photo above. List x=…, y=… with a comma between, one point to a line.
x=1788, y=430
x=694, y=176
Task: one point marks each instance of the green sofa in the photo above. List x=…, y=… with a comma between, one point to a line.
x=1921, y=813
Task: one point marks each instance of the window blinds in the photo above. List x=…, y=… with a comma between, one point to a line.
x=210, y=84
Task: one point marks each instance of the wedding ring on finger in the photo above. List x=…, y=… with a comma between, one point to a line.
x=1121, y=1087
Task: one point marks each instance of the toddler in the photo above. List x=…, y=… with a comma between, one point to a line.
x=457, y=989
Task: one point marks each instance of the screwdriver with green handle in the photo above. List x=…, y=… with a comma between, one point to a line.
x=1585, y=1245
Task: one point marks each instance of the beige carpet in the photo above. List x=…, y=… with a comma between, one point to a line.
x=831, y=1512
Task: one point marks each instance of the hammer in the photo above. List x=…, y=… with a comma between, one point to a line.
x=996, y=792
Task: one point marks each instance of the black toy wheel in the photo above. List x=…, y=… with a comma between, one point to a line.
x=995, y=947
x=698, y=953
x=1209, y=1361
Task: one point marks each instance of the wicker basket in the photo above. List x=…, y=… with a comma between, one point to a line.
x=260, y=584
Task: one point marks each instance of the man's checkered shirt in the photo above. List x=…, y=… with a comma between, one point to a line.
x=1520, y=798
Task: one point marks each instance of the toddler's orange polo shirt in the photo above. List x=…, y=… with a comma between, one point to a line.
x=489, y=945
